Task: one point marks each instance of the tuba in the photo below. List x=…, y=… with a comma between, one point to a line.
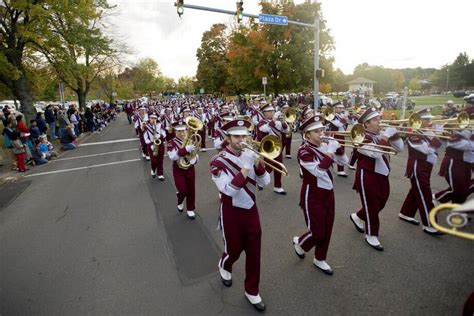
x=192, y=137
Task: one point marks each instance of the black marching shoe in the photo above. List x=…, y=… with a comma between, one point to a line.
x=226, y=277
x=256, y=302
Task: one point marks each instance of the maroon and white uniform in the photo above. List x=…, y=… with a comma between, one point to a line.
x=184, y=179
x=339, y=124
x=278, y=128
x=457, y=167
x=239, y=217
x=317, y=196
x=371, y=179
x=219, y=139
x=422, y=156
x=167, y=121
x=139, y=122
x=204, y=119
x=152, y=132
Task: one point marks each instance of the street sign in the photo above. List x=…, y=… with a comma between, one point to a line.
x=273, y=19
x=264, y=80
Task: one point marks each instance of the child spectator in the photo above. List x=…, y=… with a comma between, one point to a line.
x=45, y=148
x=34, y=130
x=42, y=126
x=19, y=151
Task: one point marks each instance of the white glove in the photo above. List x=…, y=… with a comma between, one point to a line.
x=333, y=145
x=438, y=128
x=389, y=132
x=190, y=148
x=248, y=159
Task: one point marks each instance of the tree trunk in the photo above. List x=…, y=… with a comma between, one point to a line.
x=81, y=97
x=22, y=92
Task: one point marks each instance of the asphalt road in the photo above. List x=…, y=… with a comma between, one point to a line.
x=105, y=238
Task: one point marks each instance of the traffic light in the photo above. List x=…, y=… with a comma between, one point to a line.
x=179, y=7
x=240, y=11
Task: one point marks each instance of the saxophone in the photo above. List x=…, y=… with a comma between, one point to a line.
x=192, y=137
x=156, y=143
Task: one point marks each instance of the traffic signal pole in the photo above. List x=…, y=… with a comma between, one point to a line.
x=315, y=26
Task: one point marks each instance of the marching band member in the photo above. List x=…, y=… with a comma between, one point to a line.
x=317, y=191
x=288, y=138
x=154, y=131
x=353, y=119
x=422, y=156
x=456, y=167
x=269, y=125
x=200, y=115
x=371, y=179
x=139, y=124
x=168, y=119
x=339, y=124
x=184, y=179
x=236, y=173
x=220, y=141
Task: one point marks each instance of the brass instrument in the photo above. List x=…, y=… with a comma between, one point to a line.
x=155, y=146
x=268, y=149
x=328, y=114
x=357, y=135
x=192, y=137
x=457, y=218
x=290, y=117
x=462, y=120
x=414, y=123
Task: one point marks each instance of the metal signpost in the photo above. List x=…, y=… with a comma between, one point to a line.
x=264, y=82
x=268, y=19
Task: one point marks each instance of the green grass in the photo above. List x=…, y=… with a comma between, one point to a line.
x=436, y=100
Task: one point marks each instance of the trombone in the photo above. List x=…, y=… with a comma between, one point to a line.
x=462, y=120
x=414, y=123
x=357, y=135
x=457, y=218
x=268, y=149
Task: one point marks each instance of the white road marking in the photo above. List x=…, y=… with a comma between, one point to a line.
x=95, y=155
x=82, y=168
x=109, y=142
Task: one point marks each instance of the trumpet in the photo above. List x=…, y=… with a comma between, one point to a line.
x=457, y=218
x=268, y=149
x=357, y=135
x=192, y=136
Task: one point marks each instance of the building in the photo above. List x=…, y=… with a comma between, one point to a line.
x=362, y=85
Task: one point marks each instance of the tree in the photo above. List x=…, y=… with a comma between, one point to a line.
x=74, y=44
x=18, y=20
x=212, y=68
x=414, y=84
x=186, y=85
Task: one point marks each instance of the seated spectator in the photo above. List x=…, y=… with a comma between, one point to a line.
x=68, y=138
x=34, y=130
x=36, y=156
x=45, y=148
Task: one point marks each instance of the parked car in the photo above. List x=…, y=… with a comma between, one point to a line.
x=469, y=98
x=460, y=94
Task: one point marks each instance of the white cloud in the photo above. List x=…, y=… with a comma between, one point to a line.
x=392, y=33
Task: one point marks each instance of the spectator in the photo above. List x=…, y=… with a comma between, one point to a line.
x=38, y=159
x=68, y=137
x=19, y=150
x=51, y=121
x=42, y=126
x=45, y=148
x=34, y=130
x=89, y=116
x=63, y=121
x=73, y=118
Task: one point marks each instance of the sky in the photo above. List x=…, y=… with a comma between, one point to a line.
x=390, y=33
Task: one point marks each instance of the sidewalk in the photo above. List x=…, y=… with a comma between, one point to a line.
x=8, y=175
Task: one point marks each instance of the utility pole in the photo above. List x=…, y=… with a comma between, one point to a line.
x=447, y=81
x=269, y=19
